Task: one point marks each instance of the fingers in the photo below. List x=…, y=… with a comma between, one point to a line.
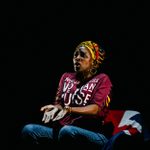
x=53, y=112
x=49, y=115
x=44, y=117
x=47, y=107
x=60, y=115
x=47, y=118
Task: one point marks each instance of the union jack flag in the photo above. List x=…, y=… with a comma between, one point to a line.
x=126, y=124
x=128, y=121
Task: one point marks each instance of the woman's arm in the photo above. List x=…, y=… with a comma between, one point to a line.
x=91, y=109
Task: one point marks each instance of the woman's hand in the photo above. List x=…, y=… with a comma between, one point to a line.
x=60, y=115
x=47, y=108
x=49, y=112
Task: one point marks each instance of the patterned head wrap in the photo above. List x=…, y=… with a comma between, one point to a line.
x=98, y=54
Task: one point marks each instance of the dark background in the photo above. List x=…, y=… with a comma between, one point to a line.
x=38, y=40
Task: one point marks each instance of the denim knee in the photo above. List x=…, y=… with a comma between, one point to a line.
x=66, y=132
x=27, y=129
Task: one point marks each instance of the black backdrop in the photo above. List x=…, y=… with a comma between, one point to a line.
x=41, y=37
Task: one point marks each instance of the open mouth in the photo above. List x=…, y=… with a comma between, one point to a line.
x=77, y=66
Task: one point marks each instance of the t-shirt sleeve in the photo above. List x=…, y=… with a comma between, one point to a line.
x=102, y=95
x=59, y=90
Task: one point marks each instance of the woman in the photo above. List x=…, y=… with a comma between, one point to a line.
x=81, y=104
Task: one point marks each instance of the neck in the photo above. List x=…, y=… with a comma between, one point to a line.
x=83, y=76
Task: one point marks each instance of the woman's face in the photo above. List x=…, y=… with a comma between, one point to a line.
x=82, y=59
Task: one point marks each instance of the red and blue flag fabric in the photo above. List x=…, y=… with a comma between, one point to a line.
x=127, y=128
x=128, y=121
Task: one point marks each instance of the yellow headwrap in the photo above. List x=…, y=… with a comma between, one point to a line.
x=97, y=53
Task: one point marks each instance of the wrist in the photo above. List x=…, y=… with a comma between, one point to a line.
x=69, y=109
x=59, y=107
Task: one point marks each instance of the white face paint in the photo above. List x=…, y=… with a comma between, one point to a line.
x=82, y=59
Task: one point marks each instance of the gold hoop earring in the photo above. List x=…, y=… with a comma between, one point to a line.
x=93, y=71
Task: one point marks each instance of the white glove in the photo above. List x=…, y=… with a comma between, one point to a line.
x=49, y=113
x=60, y=115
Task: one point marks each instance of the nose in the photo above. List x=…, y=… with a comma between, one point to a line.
x=78, y=58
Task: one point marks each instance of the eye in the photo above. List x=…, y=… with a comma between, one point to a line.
x=76, y=53
x=82, y=54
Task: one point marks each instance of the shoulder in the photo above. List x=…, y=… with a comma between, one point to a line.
x=70, y=75
x=103, y=78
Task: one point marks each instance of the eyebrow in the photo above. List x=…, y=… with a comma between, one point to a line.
x=82, y=51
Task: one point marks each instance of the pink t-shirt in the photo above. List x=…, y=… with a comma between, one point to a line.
x=95, y=91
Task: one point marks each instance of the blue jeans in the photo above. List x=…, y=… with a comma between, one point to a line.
x=38, y=134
